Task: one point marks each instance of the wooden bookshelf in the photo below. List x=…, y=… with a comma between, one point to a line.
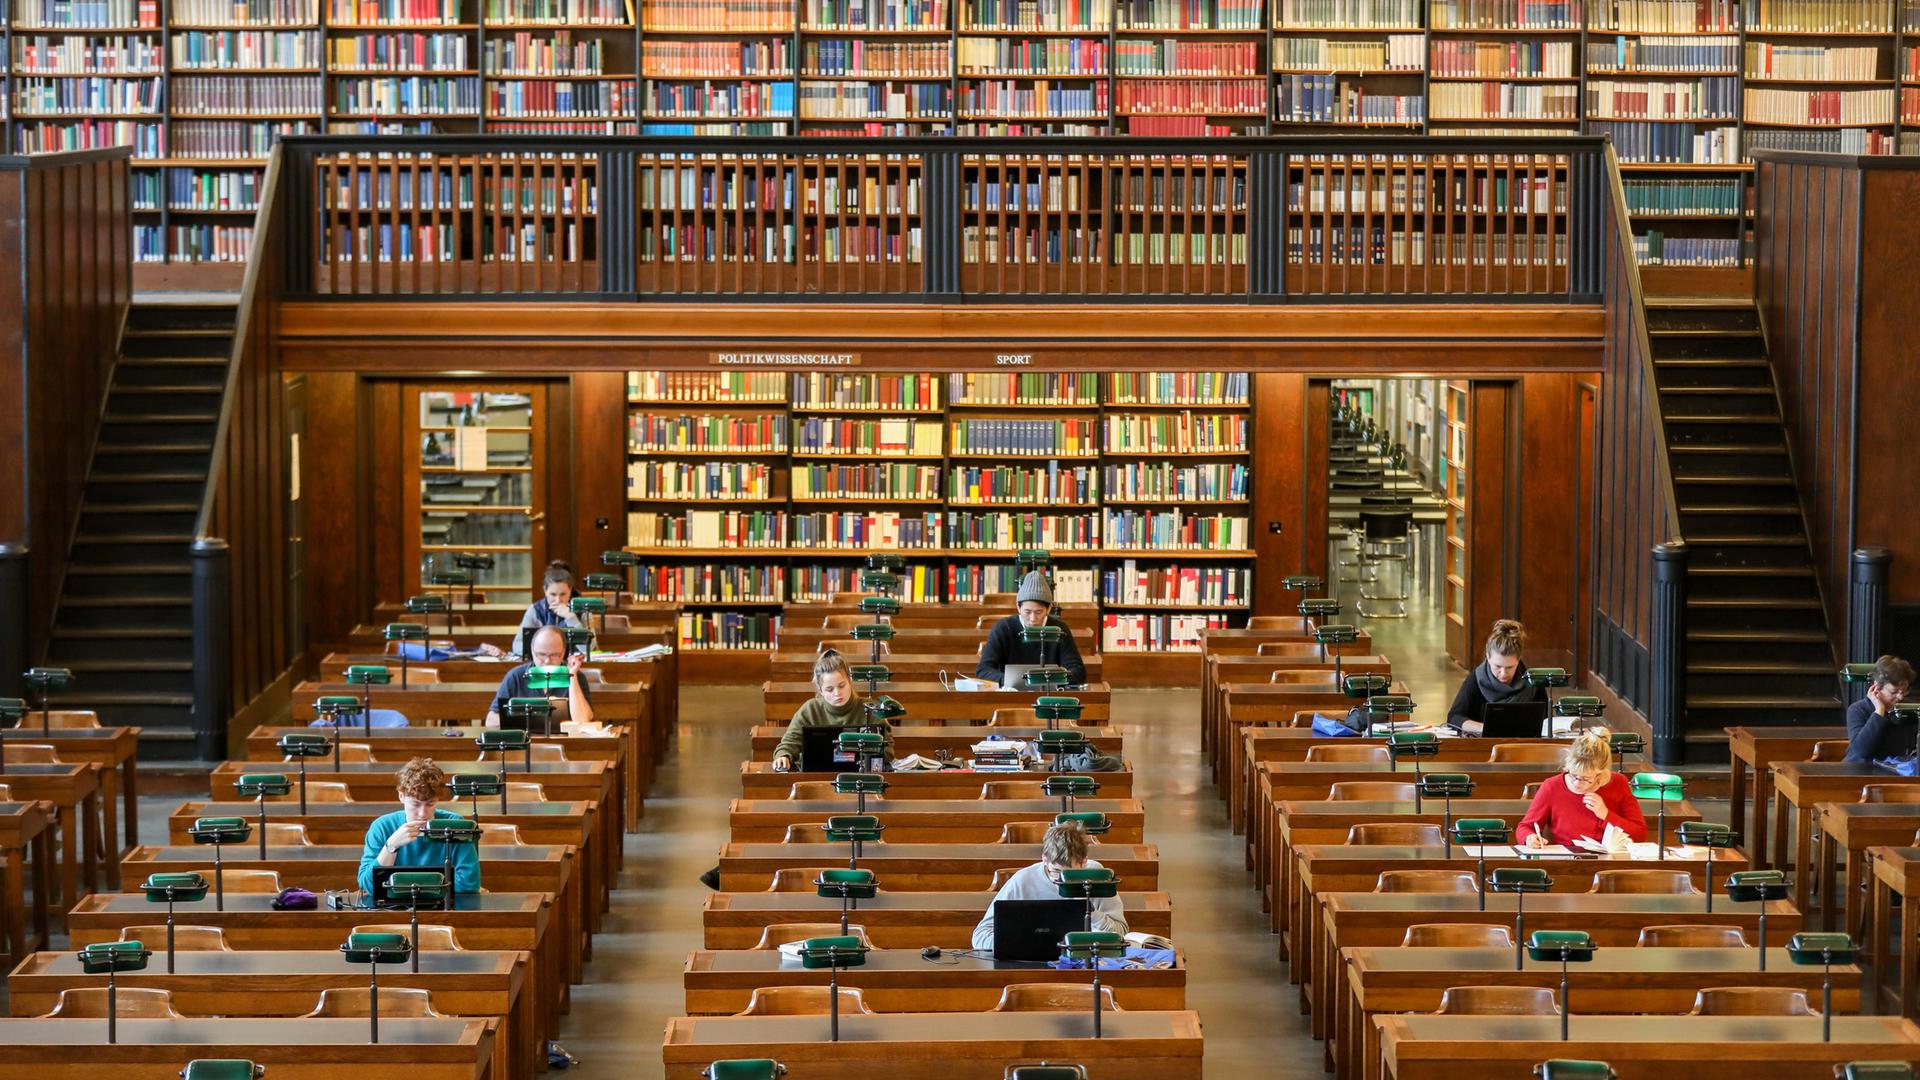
x=1453, y=419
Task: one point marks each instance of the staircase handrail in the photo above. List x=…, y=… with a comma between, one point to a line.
x=1630, y=273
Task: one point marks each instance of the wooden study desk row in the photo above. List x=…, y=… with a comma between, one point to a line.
x=1754, y=751
x=1224, y=672
x=929, y=821
x=1800, y=787
x=720, y=982
x=114, y=750
x=1244, y=644
x=290, y=1049
x=1247, y=705
x=759, y=781
x=902, y=867
x=794, y=665
x=915, y=737
x=72, y=794
x=911, y=640
x=931, y=703
x=26, y=840
x=906, y=920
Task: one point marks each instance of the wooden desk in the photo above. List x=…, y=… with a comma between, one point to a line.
x=1638, y=1047
x=929, y=821
x=1757, y=750
x=113, y=749
x=24, y=831
x=908, y=640
x=264, y=984
x=796, y=665
x=759, y=781
x=930, y=703
x=74, y=792
x=1853, y=829
x=1803, y=784
x=467, y=702
x=371, y=637
x=1896, y=872
x=719, y=982
x=317, y=1049
x=1352, y=920
x=893, y=920
x=941, y=1046
x=1383, y=981
x=962, y=614
x=917, y=738
x=924, y=867
x=1269, y=704
x=1218, y=672
x=1242, y=642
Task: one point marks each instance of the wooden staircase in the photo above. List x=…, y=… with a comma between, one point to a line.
x=125, y=615
x=1759, y=651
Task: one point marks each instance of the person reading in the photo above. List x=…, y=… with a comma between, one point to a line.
x=399, y=838
x=1872, y=734
x=1033, y=606
x=1063, y=848
x=1495, y=680
x=835, y=704
x=549, y=650
x=555, y=606
x=1584, y=800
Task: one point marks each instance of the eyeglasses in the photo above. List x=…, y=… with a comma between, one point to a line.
x=1588, y=780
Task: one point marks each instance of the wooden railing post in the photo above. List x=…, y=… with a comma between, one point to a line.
x=14, y=598
x=940, y=211
x=212, y=648
x=1866, y=610
x=1667, y=704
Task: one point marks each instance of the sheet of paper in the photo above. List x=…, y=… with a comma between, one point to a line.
x=1486, y=851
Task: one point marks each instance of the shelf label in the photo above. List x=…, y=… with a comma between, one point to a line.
x=781, y=359
x=1024, y=359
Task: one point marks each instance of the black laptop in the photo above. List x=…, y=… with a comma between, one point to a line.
x=1514, y=720
x=819, y=752
x=1031, y=931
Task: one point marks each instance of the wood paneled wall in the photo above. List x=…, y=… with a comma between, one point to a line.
x=1835, y=239
x=65, y=282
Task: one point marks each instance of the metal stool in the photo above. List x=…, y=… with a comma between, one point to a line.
x=1383, y=549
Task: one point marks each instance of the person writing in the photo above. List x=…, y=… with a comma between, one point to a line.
x=1495, y=680
x=555, y=606
x=1872, y=734
x=549, y=650
x=1063, y=848
x=1583, y=799
x=835, y=704
x=399, y=838
x=1033, y=606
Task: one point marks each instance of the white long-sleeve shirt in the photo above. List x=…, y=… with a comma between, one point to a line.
x=1032, y=883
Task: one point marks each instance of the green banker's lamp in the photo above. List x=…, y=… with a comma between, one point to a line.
x=426, y=605
x=451, y=832
x=374, y=949
x=1758, y=887
x=1547, y=678
x=1300, y=583
x=1329, y=634
x=1093, y=946
x=871, y=674
x=170, y=889
x=12, y=712
x=222, y=1069
x=1364, y=686
x=109, y=958
x=1069, y=788
x=1873, y=1070
x=549, y=681
x=625, y=560
x=452, y=580
x=1031, y=559
x=257, y=786
x=334, y=708
x=1061, y=742
x=588, y=607
x=1316, y=608
x=886, y=560
x=504, y=741
x=1574, y=1069
x=1045, y=1071
x=1519, y=880
x=404, y=634
x=1043, y=636
x=1044, y=677
x=880, y=711
x=847, y=886
x=855, y=830
x=578, y=639
x=1056, y=709
x=1093, y=821
x=301, y=745
x=860, y=785
x=1406, y=744
x=219, y=831
x=866, y=749
x=1662, y=786
x=833, y=953
x=1710, y=835
x=608, y=586
x=46, y=680
x=1481, y=832
x=880, y=607
x=1622, y=742
x=417, y=887
x=1580, y=708
x=473, y=564
x=1088, y=883
x=1575, y=946
x=1448, y=786
x=884, y=582
x=1825, y=950
x=744, y=1069
x=366, y=677
x=471, y=786
x=877, y=633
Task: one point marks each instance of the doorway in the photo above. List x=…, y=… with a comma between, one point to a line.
x=475, y=483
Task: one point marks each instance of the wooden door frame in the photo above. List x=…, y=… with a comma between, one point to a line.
x=540, y=467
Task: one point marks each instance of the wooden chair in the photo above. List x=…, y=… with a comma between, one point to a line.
x=619, y=624
x=1692, y=937
x=132, y=1003
x=1530, y=790
x=32, y=754
x=434, y=937
x=1351, y=755
x=843, y=622
x=357, y=752
x=1052, y=997
x=286, y=834
x=802, y=1001
x=318, y=791
x=185, y=938
x=778, y=934
x=999, y=600
x=1830, y=750
x=1646, y=882
x=1272, y=622
x=6, y=793
x=395, y=1001
x=524, y=791
x=1457, y=882
x=1016, y=717
x=1370, y=791
x=847, y=597
x=1456, y=936
x=1396, y=833
x=425, y=676
x=796, y=878
x=807, y=832
x=499, y=832
x=1873, y=793
x=549, y=752
x=985, y=622
x=1751, y=1001
x=856, y=652
x=1289, y=650
x=1013, y=789
x=1497, y=1001
x=68, y=719
x=807, y=790
x=243, y=881
x=1002, y=875
x=1025, y=832
x=1317, y=680
x=1536, y=753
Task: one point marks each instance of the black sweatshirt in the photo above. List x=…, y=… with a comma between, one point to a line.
x=1871, y=736
x=1004, y=647
x=1471, y=704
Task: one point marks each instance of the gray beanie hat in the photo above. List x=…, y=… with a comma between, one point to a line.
x=1034, y=587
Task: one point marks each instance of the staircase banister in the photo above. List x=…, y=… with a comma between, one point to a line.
x=1630, y=272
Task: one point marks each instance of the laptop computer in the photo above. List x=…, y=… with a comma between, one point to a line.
x=1031, y=931
x=1014, y=676
x=819, y=754
x=562, y=710
x=1514, y=720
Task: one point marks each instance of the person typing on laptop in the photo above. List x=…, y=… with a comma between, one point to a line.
x=1063, y=848
x=835, y=704
x=549, y=649
x=1495, y=680
x=1584, y=799
x=399, y=838
x=1033, y=606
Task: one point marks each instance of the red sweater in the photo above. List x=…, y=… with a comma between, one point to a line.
x=1563, y=816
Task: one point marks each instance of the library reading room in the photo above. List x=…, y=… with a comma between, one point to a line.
x=958, y=539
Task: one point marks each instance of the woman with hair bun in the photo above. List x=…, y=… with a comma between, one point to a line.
x=1495, y=680
x=555, y=606
x=1583, y=799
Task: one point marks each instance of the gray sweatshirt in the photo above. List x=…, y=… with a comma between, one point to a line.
x=1032, y=883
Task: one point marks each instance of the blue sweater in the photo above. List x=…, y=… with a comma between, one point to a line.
x=422, y=853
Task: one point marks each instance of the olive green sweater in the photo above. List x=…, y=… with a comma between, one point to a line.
x=816, y=713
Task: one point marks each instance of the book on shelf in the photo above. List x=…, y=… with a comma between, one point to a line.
x=145, y=190
x=706, y=433
x=863, y=58
x=755, y=127
x=1173, y=530
x=714, y=480
x=708, y=583
x=149, y=244
x=548, y=98
x=1028, y=15
x=1664, y=16
x=407, y=95
x=1657, y=54
x=1332, y=99
x=717, y=387
x=1653, y=248
x=574, y=13
x=148, y=139
x=707, y=529
x=892, y=435
x=667, y=242
x=1347, y=14
x=1812, y=63
x=1176, y=433
x=73, y=54
x=860, y=100
x=1020, y=130
x=669, y=186
x=1026, y=388
x=90, y=96
x=1857, y=141
x=342, y=13
x=1174, y=56
x=969, y=583
x=1505, y=101
x=1837, y=108
x=256, y=95
x=728, y=630
x=851, y=483
x=854, y=530
x=1909, y=108
x=1163, y=481
x=1505, y=15
x=85, y=14
x=1192, y=15
x=209, y=243
x=255, y=50
x=1034, y=99
x=1178, y=247
x=1005, y=530
x=677, y=59
x=232, y=139
x=1510, y=58
x=1695, y=99
x=816, y=583
x=1177, y=126
x=1055, y=56
x=201, y=189
x=865, y=393
x=1052, y=483
x=1133, y=584
x=1211, y=97
x=696, y=100
x=1159, y=633
x=1177, y=388
x=717, y=16
x=240, y=13
x=889, y=15
x=1823, y=17
x=1066, y=437
x=1673, y=198
x=1395, y=52
x=560, y=53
